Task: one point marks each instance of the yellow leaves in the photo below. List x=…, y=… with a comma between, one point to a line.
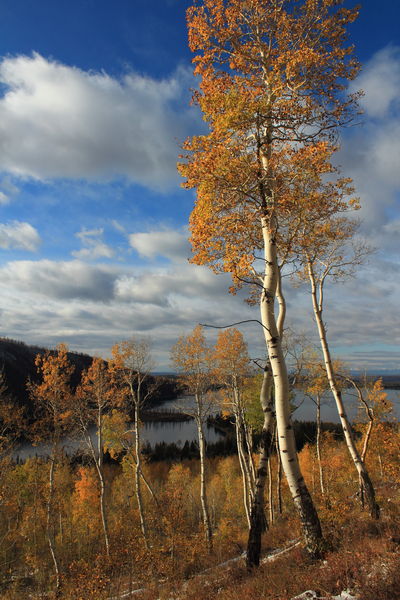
x=53, y=396
x=191, y=356
x=115, y=431
x=230, y=356
x=270, y=79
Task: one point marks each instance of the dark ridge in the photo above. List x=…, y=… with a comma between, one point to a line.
x=18, y=361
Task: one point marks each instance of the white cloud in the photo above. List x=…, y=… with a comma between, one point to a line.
x=60, y=121
x=7, y=190
x=167, y=242
x=20, y=236
x=93, y=245
x=63, y=280
x=93, y=306
x=370, y=153
x=380, y=81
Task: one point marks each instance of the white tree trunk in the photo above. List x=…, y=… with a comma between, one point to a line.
x=50, y=524
x=203, y=490
x=278, y=477
x=98, y=462
x=242, y=461
x=138, y=487
x=300, y=494
x=100, y=472
x=318, y=447
x=346, y=426
x=258, y=521
x=270, y=500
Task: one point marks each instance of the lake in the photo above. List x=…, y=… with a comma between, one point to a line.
x=178, y=432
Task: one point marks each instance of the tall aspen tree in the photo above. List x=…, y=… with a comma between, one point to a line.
x=324, y=257
x=93, y=398
x=53, y=402
x=232, y=364
x=131, y=365
x=192, y=357
x=272, y=79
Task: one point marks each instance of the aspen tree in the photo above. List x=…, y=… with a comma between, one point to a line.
x=131, y=365
x=192, y=357
x=324, y=257
x=232, y=364
x=272, y=79
x=53, y=401
x=94, y=397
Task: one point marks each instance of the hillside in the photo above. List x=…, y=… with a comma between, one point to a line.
x=18, y=361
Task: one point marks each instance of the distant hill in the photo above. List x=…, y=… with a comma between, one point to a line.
x=18, y=361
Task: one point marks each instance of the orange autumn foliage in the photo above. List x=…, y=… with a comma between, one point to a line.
x=271, y=91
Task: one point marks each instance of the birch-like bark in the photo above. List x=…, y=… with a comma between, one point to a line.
x=317, y=300
x=203, y=491
x=299, y=491
x=270, y=499
x=248, y=434
x=244, y=452
x=146, y=482
x=100, y=472
x=257, y=518
x=138, y=487
x=242, y=460
x=318, y=447
x=49, y=524
x=97, y=458
x=370, y=415
x=278, y=477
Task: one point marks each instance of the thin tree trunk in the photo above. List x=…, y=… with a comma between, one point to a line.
x=270, y=500
x=257, y=517
x=370, y=415
x=203, y=491
x=249, y=445
x=100, y=471
x=300, y=494
x=98, y=462
x=49, y=524
x=318, y=446
x=143, y=525
x=346, y=426
x=245, y=454
x=146, y=483
x=245, y=458
x=278, y=478
x=239, y=444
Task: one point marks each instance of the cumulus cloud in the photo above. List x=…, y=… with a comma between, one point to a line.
x=7, y=190
x=20, y=236
x=63, y=280
x=93, y=245
x=93, y=306
x=370, y=153
x=165, y=287
x=380, y=81
x=169, y=243
x=61, y=121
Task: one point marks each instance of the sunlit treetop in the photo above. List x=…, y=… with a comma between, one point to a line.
x=277, y=60
x=273, y=76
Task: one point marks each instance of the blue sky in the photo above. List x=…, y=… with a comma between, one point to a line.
x=94, y=101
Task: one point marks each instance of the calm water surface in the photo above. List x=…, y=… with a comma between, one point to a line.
x=181, y=431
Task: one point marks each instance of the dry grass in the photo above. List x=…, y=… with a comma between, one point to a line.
x=364, y=557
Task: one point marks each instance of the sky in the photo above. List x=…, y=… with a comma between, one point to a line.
x=94, y=104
